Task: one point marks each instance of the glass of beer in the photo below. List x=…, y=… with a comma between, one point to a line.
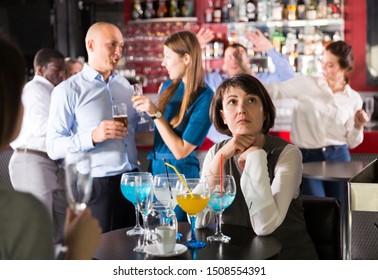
x=120, y=112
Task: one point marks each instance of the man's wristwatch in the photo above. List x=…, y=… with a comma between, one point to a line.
x=157, y=115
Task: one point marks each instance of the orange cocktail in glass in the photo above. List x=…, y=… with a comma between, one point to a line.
x=193, y=196
x=192, y=204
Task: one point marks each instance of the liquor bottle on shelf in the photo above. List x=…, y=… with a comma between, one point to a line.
x=242, y=11
x=149, y=11
x=318, y=42
x=291, y=9
x=322, y=9
x=262, y=10
x=277, y=8
x=336, y=36
x=290, y=48
x=231, y=11
x=217, y=12
x=225, y=17
x=311, y=11
x=209, y=50
x=278, y=39
x=336, y=9
x=137, y=12
x=190, y=8
x=301, y=10
x=218, y=46
x=291, y=41
x=326, y=40
x=251, y=10
x=186, y=8
x=284, y=10
x=233, y=37
x=173, y=10
x=162, y=10
x=301, y=42
x=209, y=11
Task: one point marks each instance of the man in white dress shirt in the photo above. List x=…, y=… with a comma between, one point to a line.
x=30, y=168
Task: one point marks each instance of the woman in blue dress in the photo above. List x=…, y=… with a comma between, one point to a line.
x=181, y=114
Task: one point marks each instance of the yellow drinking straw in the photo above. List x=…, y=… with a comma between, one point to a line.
x=180, y=177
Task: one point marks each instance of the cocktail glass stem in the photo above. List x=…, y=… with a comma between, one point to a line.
x=142, y=119
x=193, y=228
x=218, y=219
x=193, y=242
x=140, y=249
x=218, y=236
x=178, y=234
x=137, y=230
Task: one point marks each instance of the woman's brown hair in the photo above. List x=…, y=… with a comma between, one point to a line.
x=184, y=42
x=344, y=53
x=249, y=85
x=12, y=80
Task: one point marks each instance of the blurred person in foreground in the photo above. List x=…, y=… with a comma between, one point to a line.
x=26, y=227
x=266, y=168
x=81, y=119
x=328, y=118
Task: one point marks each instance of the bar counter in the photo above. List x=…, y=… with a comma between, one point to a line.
x=368, y=146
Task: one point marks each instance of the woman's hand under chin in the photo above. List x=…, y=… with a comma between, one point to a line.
x=243, y=156
x=237, y=144
x=256, y=145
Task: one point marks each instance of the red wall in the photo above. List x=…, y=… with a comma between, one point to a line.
x=355, y=34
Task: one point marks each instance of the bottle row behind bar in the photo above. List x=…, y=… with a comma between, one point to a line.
x=218, y=11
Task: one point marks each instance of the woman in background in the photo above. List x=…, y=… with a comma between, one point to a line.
x=328, y=118
x=181, y=115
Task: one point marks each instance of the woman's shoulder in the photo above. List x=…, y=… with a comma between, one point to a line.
x=351, y=91
x=206, y=93
x=166, y=84
x=207, y=89
x=276, y=142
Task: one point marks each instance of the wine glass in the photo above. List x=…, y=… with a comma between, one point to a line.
x=144, y=199
x=138, y=90
x=193, y=196
x=78, y=179
x=222, y=194
x=369, y=109
x=129, y=192
x=165, y=189
x=162, y=228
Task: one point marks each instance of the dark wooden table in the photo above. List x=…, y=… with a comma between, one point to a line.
x=341, y=172
x=244, y=245
x=332, y=171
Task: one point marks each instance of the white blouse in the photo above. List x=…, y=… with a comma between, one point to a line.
x=267, y=203
x=320, y=117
